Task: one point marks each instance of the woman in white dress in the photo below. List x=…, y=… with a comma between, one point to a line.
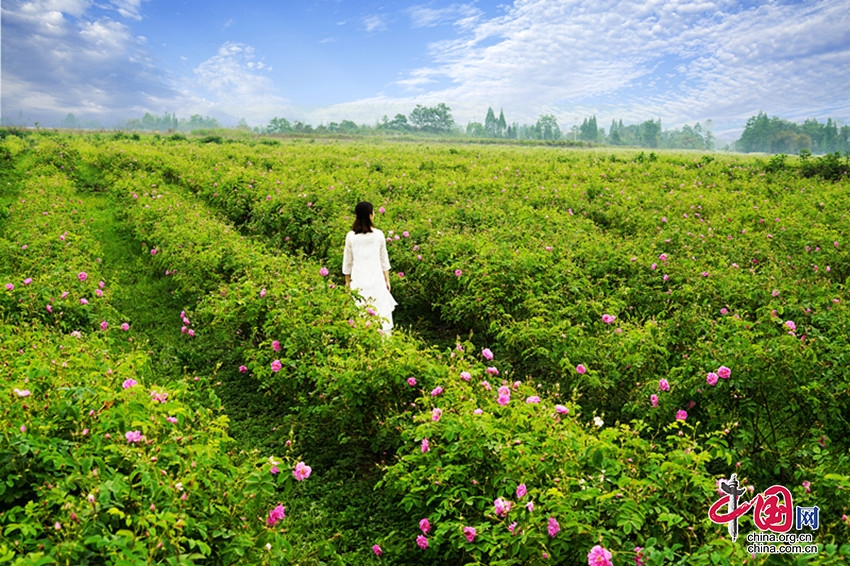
x=366, y=265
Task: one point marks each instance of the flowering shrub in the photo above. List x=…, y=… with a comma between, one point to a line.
x=662, y=325
x=531, y=479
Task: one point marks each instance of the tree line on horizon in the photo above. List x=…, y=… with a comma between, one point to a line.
x=775, y=135
x=761, y=134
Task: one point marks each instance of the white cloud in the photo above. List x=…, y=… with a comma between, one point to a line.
x=375, y=22
x=63, y=56
x=677, y=60
x=128, y=8
x=462, y=15
x=234, y=81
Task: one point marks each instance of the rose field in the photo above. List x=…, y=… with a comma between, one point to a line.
x=586, y=342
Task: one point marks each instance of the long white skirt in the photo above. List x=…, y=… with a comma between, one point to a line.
x=376, y=296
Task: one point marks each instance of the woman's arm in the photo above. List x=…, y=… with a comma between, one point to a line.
x=348, y=280
x=387, y=279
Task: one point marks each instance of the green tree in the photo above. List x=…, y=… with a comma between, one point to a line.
x=547, y=127
x=436, y=119
x=650, y=133
x=476, y=130
x=490, y=123
x=501, y=125
x=589, y=131
x=70, y=122
x=278, y=126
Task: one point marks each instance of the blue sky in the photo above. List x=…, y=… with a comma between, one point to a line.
x=328, y=60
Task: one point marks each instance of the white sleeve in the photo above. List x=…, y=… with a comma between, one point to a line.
x=347, y=256
x=385, y=258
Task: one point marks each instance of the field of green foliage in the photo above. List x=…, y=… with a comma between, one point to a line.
x=586, y=342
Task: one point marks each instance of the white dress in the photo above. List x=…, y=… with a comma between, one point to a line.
x=365, y=259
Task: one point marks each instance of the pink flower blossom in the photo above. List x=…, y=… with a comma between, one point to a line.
x=153, y=251
x=711, y=378
x=477, y=412
x=276, y=346
x=128, y=383
x=553, y=527
x=82, y=276
x=639, y=556
x=653, y=399
x=382, y=210
x=83, y=301
x=521, y=491
x=10, y=287
x=503, y=400
x=262, y=293
x=98, y=292
x=28, y=280
x=790, y=325
x=502, y=506
x=464, y=375
x=436, y=414
x=276, y=365
x=666, y=277
x=191, y=332
x=411, y=381
x=469, y=533
x=681, y=415
x=598, y=556
x=488, y=355
x=561, y=409
x=663, y=384
x=172, y=420
x=534, y=399
x=324, y=272
x=125, y=327
x=275, y=515
x=302, y=471
x=775, y=292
x=458, y=272
x=581, y=369
x=104, y=325
x=512, y=527
x=608, y=318
x=133, y=435
x=243, y=369
x=530, y=506
x=486, y=385
x=425, y=446
x=425, y=526
x=724, y=372
x=492, y=371
x=724, y=311
x=22, y=392
x=422, y=542
x=436, y=391
x=157, y=396
x=49, y=309
x=377, y=550
x=807, y=486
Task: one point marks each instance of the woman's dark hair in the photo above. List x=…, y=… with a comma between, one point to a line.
x=362, y=222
